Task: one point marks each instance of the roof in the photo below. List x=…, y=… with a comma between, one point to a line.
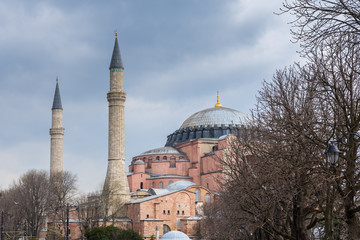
x=172, y=188
x=139, y=162
x=179, y=185
x=210, y=123
x=216, y=116
x=175, y=235
x=116, y=61
x=158, y=191
x=57, y=99
x=162, y=176
x=162, y=150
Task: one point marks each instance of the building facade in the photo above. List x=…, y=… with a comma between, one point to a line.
x=191, y=153
x=166, y=188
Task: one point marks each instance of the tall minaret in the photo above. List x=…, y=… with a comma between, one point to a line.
x=116, y=186
x=56, y=133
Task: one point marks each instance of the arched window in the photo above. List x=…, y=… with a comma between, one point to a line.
x=153, y=185
x=178, y=224
x=161, y=185
x=173, y=164
x=166, y=228
x=141, y=185
x=171, y=182
x=197, y=192
x=207, y=198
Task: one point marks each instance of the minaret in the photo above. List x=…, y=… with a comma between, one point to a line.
x=116, y=186
x=56, y=133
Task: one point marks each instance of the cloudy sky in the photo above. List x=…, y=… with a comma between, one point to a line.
x=176, y=55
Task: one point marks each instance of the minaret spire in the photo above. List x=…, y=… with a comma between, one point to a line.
x=116, y=61
x=56, y=133
x=116, y=187
x=57, y=99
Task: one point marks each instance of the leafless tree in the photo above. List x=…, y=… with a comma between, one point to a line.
x=89, y=211
x=113, y=205
x=317, y=20
x=340, y=85
x=31, y=198
x=62, y=191
x=278, y=183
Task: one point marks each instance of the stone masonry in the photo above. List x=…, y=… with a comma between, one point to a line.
x=56, y=133
x=116, y=187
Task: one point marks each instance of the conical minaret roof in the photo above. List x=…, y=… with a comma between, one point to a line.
x=57, y=99
x=116, y=61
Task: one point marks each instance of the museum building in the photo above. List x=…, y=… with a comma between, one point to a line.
x=166, y=188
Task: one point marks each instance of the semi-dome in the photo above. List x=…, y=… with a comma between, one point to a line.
x=209, y=123
x=179, y=185
x=175, y=235
x=162, y=150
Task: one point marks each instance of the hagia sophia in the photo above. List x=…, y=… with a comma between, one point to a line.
x=165, y=188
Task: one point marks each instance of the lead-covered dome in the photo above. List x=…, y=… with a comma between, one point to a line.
x=209, y=123
x=161, y=151
x=216, y=116
x=175, y=235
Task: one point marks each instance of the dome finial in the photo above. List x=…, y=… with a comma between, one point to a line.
x=115, y=33
x=218, y=104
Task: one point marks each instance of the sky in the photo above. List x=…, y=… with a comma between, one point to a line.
x=177, y=54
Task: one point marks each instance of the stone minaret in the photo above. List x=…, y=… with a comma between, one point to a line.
x=116, y=188
x=56, y=133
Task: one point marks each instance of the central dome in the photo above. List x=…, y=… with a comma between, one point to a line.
x=215, y=116
x=209, y=123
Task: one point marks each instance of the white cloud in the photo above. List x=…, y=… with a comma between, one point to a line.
x=244, y=11
x=18, y=158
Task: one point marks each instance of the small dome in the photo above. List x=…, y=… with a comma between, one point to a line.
x=179, y=185
x=175, y=235
x=162, y=150
x=139, y=162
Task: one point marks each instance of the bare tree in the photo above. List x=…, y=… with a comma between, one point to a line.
x=340, y=85
x=317, y=20
x=31, y=197
x=89, y=211
x=62, y=191
x=278, y=184
x=113, y=204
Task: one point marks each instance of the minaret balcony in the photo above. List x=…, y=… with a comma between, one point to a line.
x=116, y=96
x=57, y=131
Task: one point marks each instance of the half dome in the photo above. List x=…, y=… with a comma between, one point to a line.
x=161, y=150
x=179, y=185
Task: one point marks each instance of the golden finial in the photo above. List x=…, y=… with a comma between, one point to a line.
x=57, y=80
x=218, y=104
x=115, y=33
